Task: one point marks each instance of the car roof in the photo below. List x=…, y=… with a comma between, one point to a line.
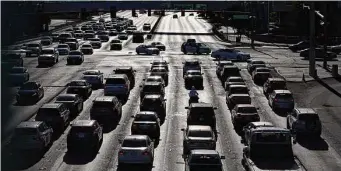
x=93, y=70
x=104, y=99
x=152, y=96
x=204, y=152
x=234, y=77
x=239, y=95
x=136, y=137
x=201, y=104
x=51, y=105
x=276, y=79
x=152, y=83
x=230, y=66
x=271, y=129
x=245, y=105
x=83, y=123
x=154, y=76
x=67, y=95
x=78, y=81
x=259, y=124
x=305, y=111
x=199, y=128
x=124, y=68
x=282, y=91
x=29, y=124
x=232, y=86
x=146, y=113
x=117, y=76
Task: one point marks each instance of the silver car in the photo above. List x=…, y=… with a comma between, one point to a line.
x=94, y=77
x=63, y=49
x=19, y=75
x=136, y=149
x=147, y=49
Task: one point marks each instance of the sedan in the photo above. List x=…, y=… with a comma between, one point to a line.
x=230, y=54
x=30, y=91
x=95, y=43
x=46, y=41
x=19, y=75
x=80, y=87
x=136, y=149
x=75, y=57
x=72, y=101
x=87, y=49
x=159, y=45
x=94, y=77
x=63, y=49
x=242, y=114
x=146, y=49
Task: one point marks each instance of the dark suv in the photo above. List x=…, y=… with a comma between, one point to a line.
x=229, y=71
x=106, y=110
x=156, y=103
x=55, y=115
x=152, y=88
x=273, y=84
x=80, y=87
x=129, y=71
x=30, y=91
x=191, y=65
x=201, y=114
x=85, y=134
x=198, y=137
x=146, y=123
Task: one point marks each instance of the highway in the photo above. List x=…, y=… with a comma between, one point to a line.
x=168, y=154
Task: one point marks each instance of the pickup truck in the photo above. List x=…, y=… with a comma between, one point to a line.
x=269, y=148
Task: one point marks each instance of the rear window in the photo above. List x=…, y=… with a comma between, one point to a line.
x=145, y=117
x=247, y=110
x=134, y=143
x=239, y=90
x=284, y=96
x=77, y=83
x=47, y=112
x=33, y=45
x=47, y=51
x=205, y=159
x=65, y=98
x=153, y=79
x=151, y=88
x=200, y=134
x=192, y=64
x=151, y=102
x=268, y=137
x=115, y=81
x=77, y=129
x=102, y=105
x=29, y=86
x=308, y=117
x=231, y=71
x=25, y=131
x=203, y=110
x=75, y=53
x=159, y=70
x=87, y=46
x=194, y=73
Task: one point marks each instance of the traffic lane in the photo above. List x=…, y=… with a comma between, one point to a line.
x=311, y=159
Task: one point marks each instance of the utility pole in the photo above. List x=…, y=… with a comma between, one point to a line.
x=312, y=67
x=325, y=35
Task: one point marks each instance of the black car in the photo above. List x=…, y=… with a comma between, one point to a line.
x=193, y=78
x=55, y=115
x=229, y=71
x=201, y=114
x=80, y=87
x=155, y=103
x=146, y=123
x=198, y=137
x=220, y=66
x=191, y=65
x=273, y=84
x=30, y=91
x=152, y=88
x=107, y=110
x=129, y=71
x=85, y=135
x=72, y=101
x=160, y=71
x=235, y=99
x=251, y=65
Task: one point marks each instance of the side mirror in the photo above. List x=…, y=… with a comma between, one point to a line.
x=182, y=129
x=222, y=157
x=186, y=107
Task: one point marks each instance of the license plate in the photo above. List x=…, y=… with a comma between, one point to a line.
x=81, y=135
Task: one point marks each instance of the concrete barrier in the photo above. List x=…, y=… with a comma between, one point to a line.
x=156, y=25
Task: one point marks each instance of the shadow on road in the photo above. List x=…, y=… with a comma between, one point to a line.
x=12, y=160
x=79, y=157
x=134, y=168
x=331, y=89
x=318, y=144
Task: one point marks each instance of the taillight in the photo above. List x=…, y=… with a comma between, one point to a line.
x=276, y=100
x=145, y=153
x=121, y=153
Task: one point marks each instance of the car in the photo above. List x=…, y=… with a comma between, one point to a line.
x=106, y=110
x=78, y=34
x=88, y=35
x=190, y=65
x=63, y=49
x=146, y=27
x=55, y=37
x=46, y=41
x=220, y=66
x=282, y=100
x=33, y=48
x=95, y=43
x=75, y=57
x=117, y=85
x=103, y=38
x=193, y=78
x=189, y=47
x=336, y=49
x=155, y=103
x=147, y=49
x=146, y=123
x=160, y=71
x=123, y=36
x=129, y=71
x=80, y=87
x=242, y=114
x=159, y=45
x=252, y=126
x=94, y=77
x=55, y=115
x=299, y=46
x=155, y=78
x=304, y=121
x=30, y=91
x=201, y=114
x=87, y=49
x=234, y=99
x=233, y=81
x=152, y=88
x=72, y=45
x=203, y=48
x=191, y=41
x=136, y=149
x=116, y=44
x=237, y=89
x=113, y=32
x=204, y=160
x=31, y=135
x=230, y=54
x=12, y=58
x=175, y=16
x=49, y=56
x=253, y=63
x=198, y=137
x=75, y=42
x=101, y=20
x=63, y=36
x=130, y=30
x=319, y=53
x=72, y=101
x=18, y=75
x=260, y=75
x=84, y=136
x=160, y=66
x=274, y=84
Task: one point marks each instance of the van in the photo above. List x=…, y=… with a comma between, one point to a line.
x=117, y=85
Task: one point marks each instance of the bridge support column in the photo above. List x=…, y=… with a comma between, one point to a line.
x=182, y=12
x=113, y=11
x=149, y=12
x=133, y=12
x=84, y=14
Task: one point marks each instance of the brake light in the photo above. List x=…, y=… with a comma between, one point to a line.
x=276, y=100
x=145, y=153
x=121, y=153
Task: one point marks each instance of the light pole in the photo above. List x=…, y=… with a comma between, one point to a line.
x=312, y=68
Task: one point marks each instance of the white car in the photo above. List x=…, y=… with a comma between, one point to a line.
x=63, y=49
x=147, y=49
x=230, y=54
x=136, y=149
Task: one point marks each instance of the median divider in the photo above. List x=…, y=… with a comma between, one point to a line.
x=156, y=25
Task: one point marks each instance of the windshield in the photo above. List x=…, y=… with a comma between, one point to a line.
x=145, y=117
x=270, y=137
x=47, y=112
x=308, y=117
x=17, y=70
x=247, y=110
x=200, y=134
x=134, y=143
x=28, y=86
x=278, y=85
x=115, y=81
x=25, y=131
x=152, y=89
x=63, y=46
x=77, y=83
x=33, y=45
x=192, y=64
x=47, y=51
x=75, y=53
x=65, y=98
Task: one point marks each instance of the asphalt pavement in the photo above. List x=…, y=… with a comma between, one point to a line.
x=168, y=154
